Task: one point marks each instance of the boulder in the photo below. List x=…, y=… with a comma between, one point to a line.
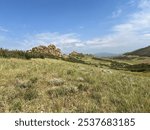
x=48, y=50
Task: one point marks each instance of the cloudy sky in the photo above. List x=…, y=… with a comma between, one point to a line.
x=89, y=26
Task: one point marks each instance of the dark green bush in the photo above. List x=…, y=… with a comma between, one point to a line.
x=139, y=67
x=30, y=94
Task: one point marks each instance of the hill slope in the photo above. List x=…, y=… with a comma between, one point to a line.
x=140, y=52
x=50, y=85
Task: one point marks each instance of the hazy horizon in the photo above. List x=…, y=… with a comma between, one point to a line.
x=88, y=26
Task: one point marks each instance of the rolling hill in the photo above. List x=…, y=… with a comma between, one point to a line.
x=56, y=85
x=44, y=80
x=140, y=52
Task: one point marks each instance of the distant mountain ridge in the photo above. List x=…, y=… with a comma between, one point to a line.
x=105, y=54
x=140, y=52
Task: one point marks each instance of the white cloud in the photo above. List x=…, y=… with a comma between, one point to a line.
x=130, y=33
x=81, y=27
x=2, y=29
x=2, y=39
x=132, y=3
x=79, y=45
x=69, y=40
x=123, y=27
x=147, y=35
x=144, y=4
x=133, y=33
x=117, y=13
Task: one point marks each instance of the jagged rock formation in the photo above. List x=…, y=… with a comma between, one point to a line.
x=49, y=50
x=76, y=54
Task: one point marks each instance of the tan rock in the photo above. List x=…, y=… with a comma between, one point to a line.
x=49, y=50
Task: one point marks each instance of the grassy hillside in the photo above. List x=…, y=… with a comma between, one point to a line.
x=50, y=85
x=141, y=52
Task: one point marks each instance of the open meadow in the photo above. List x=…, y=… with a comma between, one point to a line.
x=55, y=85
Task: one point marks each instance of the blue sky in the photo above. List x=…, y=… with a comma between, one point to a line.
x=89, y=26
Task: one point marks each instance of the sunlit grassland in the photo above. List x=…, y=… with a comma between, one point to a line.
x=48, y=85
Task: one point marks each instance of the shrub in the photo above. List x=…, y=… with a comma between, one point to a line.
x=24, y=84
x=56, y=82
x=62, y=91
x=138, y=67
x=30, y=94
x=70, y=72
x=83, y=87
x=34, y=80
x=16, y=106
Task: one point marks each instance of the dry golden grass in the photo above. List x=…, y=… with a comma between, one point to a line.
x=48, y=85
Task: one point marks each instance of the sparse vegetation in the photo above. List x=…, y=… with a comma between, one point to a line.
x=140, y=52
x=50, y=85
x=37, y=52
x=50, y=82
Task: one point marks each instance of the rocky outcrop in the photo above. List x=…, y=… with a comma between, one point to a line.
x=48, y=50
x=76, y=54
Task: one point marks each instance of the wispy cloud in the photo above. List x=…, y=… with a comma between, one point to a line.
x=2, y=29
x=81, y=27
x=2, y=39
x=144, y=4
x=130, y=34
x=132, y=2
x=117, y=13
x=64, y=41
